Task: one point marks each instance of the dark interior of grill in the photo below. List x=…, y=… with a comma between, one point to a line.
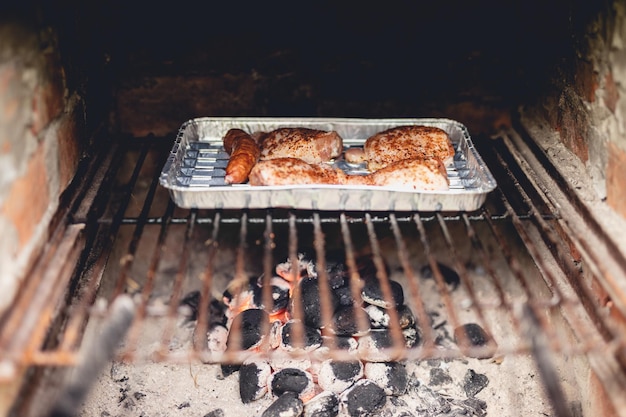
x=533, y=263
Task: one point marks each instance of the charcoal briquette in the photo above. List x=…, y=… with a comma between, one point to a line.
x=372, y=345
x=217, y=337
x=253, y=378
x=372, y=293
x=473, y=383
x=363, y=399
x=287, y=405
x=312, y=337
x=341, y=342
x=450, y=276
x=473, y=335
x=367, y=267
x=216, y=310
x=280, y=294
x=412, y=336
x=337, y=376
x=309, y=292
x=251, y=324
x=344, y=296
x=391, y=376
x=346, y=322
x=292, y=380
x=325, y=404
x=229, y=369
x=306, y=266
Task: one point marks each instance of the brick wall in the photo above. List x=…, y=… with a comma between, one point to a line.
x=587, y=102
x=39, y=143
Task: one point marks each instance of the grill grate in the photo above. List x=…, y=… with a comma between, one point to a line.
x=518, y=278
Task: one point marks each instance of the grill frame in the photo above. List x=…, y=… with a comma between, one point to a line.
x=531, y=200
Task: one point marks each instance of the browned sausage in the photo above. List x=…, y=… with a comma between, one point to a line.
x=244, y=153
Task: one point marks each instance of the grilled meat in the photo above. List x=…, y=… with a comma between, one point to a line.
x=243, y=151
x=311, y=145
x=407, y=142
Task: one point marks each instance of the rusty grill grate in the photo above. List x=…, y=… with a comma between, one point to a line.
x=519, y=277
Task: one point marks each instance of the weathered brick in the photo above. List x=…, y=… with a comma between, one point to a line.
x=615, y=179
x=68, y=148
x=28, y=197
x=611, y=93
x=573, y=124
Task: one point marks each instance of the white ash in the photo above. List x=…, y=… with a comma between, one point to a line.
x=390, y=376
x=335, y=376
x=282, y=359
x=324, y=404
x=216, y=339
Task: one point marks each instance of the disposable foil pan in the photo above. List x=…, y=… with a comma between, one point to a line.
x=195, y=169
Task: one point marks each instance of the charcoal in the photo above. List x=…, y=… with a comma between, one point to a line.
x=217, y=337
x=346, y=322
x=292, y=380
x=450, y=276
x=364, y=398
x=344, y=296
x=251, y=324
x=427, y=401
x=439, y=376
x=380, y=317
x=287, y=405
x=216, y=311
x=336, y=268
x=229, y=369
x=341, y=342
x=396, y=407
x=473, y=407
x=238, y=293
x=472, y=335
x=391, y=376
x=306, y=266
x=367, y=267
x=372, y=293
x=280, y=294
x=218, y=412
x=253, y=378
x=325, y=404
x=474, y=383
x=311, y=304
x=337, y=376
x=412, y=336
x=371, y=345
x=312, y=337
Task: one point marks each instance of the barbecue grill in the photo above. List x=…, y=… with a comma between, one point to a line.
x=112, y=316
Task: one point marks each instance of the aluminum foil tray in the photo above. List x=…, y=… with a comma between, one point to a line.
x=194, y=171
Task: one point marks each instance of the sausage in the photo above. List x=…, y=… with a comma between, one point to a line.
x=244, y=153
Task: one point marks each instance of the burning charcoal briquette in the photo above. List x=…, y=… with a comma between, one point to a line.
x=287, y=405
x=371, y=346
x=380, y=317
x=471, y=335
x=280, y=294
x=306, y=267
x=217, y=337
x=253, y=378
x=325, y=404
x=344, y=296
x=346, y=322
x=391, y=376
x=311, y=304
x=364, y=398
x=449, y=275
x=312, y=338
x=292, y=380
x=251, y=324
x=372, y=293
x=474, y=383
x=336, y=376
x=412, y=336
x=341, y=342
